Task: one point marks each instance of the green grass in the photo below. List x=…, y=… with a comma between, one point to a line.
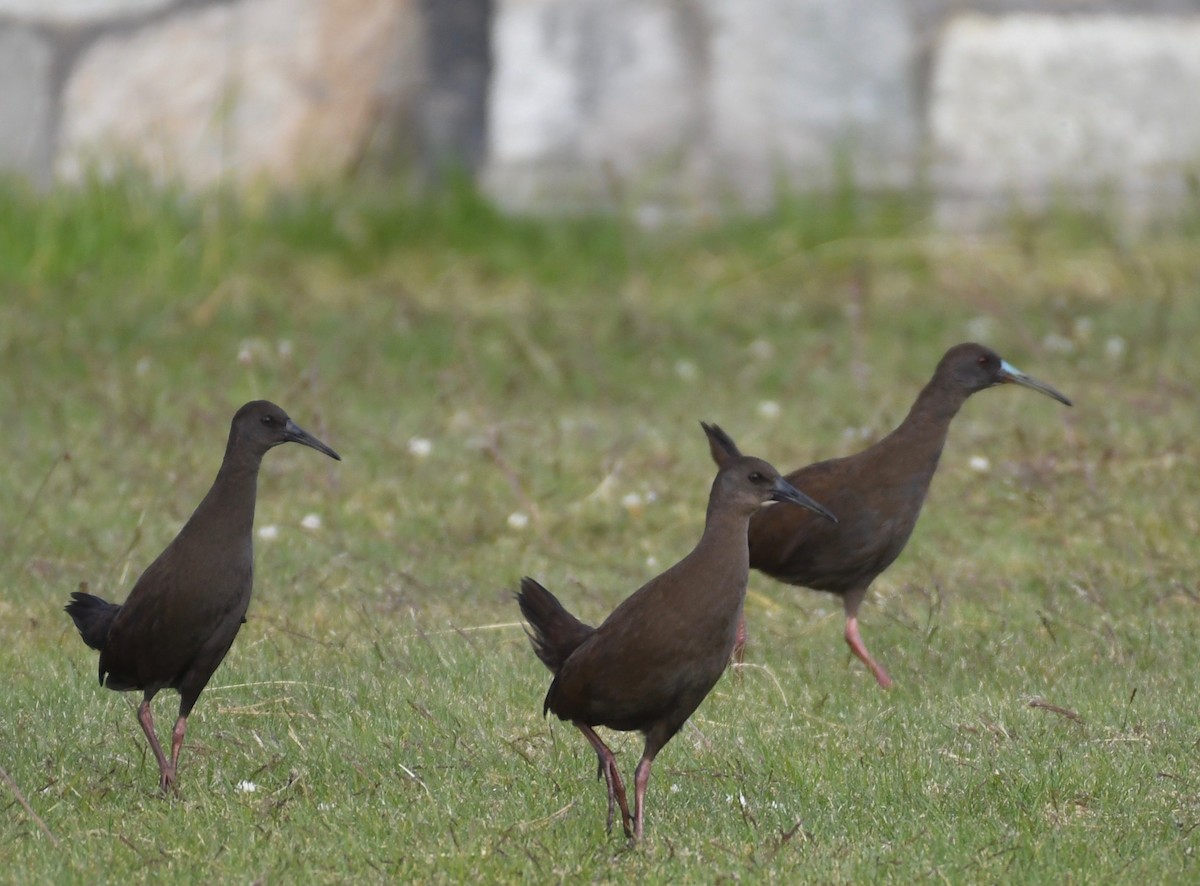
x=383, y=699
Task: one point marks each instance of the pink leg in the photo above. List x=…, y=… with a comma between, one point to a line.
x=612, y=777
x=739, y=641
x=166, y=769
x=850, y=603
x=854, y=640
x=641, y=779
x=177, y=744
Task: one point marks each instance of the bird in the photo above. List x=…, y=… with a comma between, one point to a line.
x=183, y=613
x=877, y=494
x=651, y=663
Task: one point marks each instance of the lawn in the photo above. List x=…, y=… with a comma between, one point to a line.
x=522, y=397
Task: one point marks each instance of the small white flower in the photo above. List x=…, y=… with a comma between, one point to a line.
x=761, y=349
x=1058, y=344
x=518, y=520
x=420, y=447
x=143, y=366
x=270, y=532
x=652, y=561
x=1114, y=347
x=674, y=789
x=651, y=217
x=284, y=347
x=686, y=370
x=246, y=787
x=311, y=521
x=979, y=463
x=245, y=354
x=980, y=328
x=632, y=502
x=769, y=409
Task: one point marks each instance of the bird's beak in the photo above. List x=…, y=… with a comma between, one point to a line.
x=785, y=491
x=296, y=434
x=1010, y=373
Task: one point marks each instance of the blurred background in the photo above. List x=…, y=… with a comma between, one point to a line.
x=503, y=255
x=665, y=109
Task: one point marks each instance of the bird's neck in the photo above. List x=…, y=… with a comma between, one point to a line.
x=923, y=431
x=228, y=508
x=723, y=542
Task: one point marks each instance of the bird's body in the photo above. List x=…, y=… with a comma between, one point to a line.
x=682, y=627
x=877, y=494
x=180, y=620
x=651, y=663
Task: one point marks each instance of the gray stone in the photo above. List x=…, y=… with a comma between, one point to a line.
x=669, y=101
x=804, y=89
x=454, y=103
x=26, y=103
x=76, y=12
x=589, y=99
x=1029, y=109
x=273, y=90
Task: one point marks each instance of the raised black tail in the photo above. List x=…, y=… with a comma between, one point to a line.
x=556, y=632
x=93, y=617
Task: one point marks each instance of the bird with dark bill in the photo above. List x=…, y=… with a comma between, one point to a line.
x=178, y=622
x=877, y=495
x=659, y=653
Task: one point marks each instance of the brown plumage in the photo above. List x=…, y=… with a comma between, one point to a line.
x=877, y=495
x=656, y=657
x=182, y=615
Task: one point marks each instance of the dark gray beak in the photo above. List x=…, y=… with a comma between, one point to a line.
x=296, y=434
x=785, y=491
x=1010, y=373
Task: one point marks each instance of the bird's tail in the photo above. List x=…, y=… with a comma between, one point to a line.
x=92, y=616
x=556, y=632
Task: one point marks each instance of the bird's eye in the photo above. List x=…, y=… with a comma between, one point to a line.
x=268, y=420
x=756, y=477
x=982, y=360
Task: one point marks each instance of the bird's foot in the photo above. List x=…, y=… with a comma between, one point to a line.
x=166, y=780
x=881, y=677
x=854, y=641
x=616, y=797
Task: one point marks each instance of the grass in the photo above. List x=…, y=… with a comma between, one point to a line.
x=379, y=715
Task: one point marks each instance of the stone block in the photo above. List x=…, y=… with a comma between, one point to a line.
x=1027, y=109
x=587, y=98
x=26, y=103
x=802, y=90
x=274, y=90
x=77, y=12
x=698, y=101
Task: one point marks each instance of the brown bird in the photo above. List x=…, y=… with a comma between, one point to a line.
x=183, y=613
x=655, y=658
x=877, y=495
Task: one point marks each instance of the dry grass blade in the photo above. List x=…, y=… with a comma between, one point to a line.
x=1055, y=709
x=12, y=786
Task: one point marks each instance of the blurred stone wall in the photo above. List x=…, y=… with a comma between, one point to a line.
x=664, y=108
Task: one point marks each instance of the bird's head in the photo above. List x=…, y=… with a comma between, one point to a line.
x=973, y=367
x=748, y=482
x=264, y=425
